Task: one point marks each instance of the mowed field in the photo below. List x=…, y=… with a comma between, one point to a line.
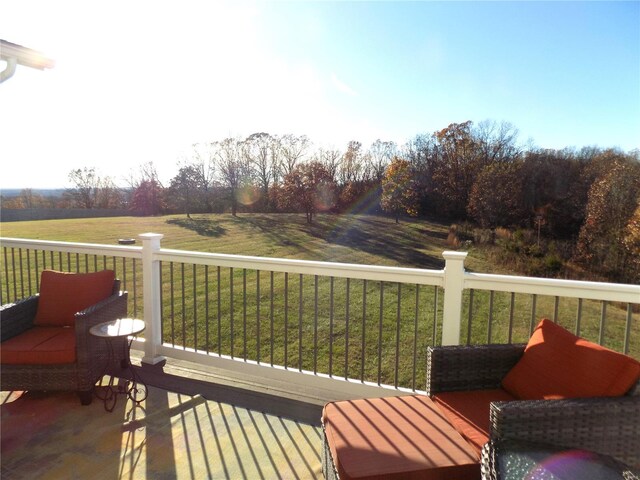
x=358, y=329
x=359, y=239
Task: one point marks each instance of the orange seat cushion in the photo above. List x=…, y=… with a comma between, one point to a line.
x=404, y=437
x=468, y=412
x=558, y=364
x=62, y=295
x=40, y=346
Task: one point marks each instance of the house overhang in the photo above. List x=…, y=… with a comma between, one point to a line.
x=14, y=55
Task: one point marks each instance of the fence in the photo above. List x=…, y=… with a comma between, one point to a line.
x=368, y=325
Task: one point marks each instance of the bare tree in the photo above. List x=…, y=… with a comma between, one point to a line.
x=205, y=170
x=351, y=167
x=331, y=159
x=85, y=187
x=293, y=149
x=380, y=155
x=233, y=168
x=259, y=151
x=496, y=142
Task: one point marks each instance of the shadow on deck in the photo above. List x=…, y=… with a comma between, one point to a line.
x=188, y=427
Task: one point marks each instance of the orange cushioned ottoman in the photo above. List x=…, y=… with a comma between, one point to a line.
x=404, y=437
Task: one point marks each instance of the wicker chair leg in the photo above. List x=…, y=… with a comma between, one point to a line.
x=85, y=397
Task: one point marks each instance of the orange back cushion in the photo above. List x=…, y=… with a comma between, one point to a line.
x=62, y=295
x=558, y=364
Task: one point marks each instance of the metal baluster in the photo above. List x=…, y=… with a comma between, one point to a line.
x=471, y=292
x=162, y=329
x=627, y=330
x=231, y=308
x=244, y=313
x=555, y=309
x=415, y=341
x=29, y=271
x=579, y=317
x=380, y=333
x=195, y=310
x=135, y=289
x=397, y=366
x=490, y=326
x=435, y=315
x=206, y=307
x=364, y=322
x=78, y=262
x=86, y=263
x=21, y=273
x=331, y=327
x=13, y=269
x=534, y=301
x=184, y=308
x=286, y=320
x=173, y=311
x=258, y=314
x=346, y=326
x=511, y=308
x=315, y=326
x=218, y=278
x=35, y=258
x=603, y=314
x=6, y=273
x=300, y=327
x=271, y=310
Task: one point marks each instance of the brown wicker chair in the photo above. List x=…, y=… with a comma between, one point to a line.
x=609, y=426
x=91, y=352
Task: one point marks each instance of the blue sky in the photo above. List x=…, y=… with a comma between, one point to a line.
x=142, y=81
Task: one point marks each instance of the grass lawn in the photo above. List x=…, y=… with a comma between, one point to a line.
x=351, y=332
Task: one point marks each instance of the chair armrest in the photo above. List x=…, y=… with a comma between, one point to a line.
x=107, y=310
x=473, y=367
x=608, y=425
x=17, y=317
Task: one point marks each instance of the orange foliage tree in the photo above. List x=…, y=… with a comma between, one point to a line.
x=399, y=193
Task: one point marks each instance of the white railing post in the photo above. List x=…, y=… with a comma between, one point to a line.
x=453, y=286
x=151, y=296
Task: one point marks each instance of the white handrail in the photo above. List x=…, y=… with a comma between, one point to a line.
x=613, y=292
x=307, y=267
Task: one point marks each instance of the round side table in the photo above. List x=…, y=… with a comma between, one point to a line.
x=135, y=389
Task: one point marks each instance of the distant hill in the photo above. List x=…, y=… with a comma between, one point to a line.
x=45, y=192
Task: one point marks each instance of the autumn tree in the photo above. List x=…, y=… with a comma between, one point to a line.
x=308, y=188
x=454, y=169
x=631, y=243
x=613, y=200
x=496, y=196
x=148, y=198
x=398, y=189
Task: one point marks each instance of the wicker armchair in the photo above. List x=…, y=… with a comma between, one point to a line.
x=91, y=352
x=609, y=425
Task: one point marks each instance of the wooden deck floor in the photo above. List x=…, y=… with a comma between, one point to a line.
x=188, y=429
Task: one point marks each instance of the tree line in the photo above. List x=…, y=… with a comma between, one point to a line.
x=589, y=197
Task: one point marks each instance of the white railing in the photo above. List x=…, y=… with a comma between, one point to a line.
x=368, y=324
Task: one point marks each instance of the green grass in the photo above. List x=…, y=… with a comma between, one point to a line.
x=330, y=340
